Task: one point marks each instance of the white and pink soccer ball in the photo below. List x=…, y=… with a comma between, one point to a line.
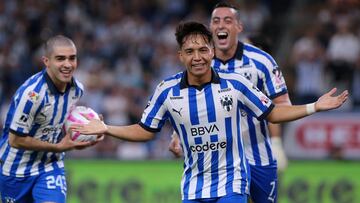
x=80, y=115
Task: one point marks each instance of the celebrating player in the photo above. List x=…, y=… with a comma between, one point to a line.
x=32, y=145
x=261, y=69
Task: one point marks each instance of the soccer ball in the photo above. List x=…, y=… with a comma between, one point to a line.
x=79, y=115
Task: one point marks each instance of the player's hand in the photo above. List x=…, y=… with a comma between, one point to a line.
x=279, y=153
x=95, y=126
x=99, y=138
x=67, y=143
x=175, y=145
x=328, y=101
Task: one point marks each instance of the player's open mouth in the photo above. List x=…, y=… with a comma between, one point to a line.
x=66, y=73
x=222, y=35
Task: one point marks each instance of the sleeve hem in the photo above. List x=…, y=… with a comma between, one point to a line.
x=153, y=130
x=21, y=134
x=278, y=94
x=266, y=113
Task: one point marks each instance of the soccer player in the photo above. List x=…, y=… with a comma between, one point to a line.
x=203, y=108
x=32, y=144
x=261, y=69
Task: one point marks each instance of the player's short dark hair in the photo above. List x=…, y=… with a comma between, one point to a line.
x=56, y=40
x=225, y=4
x=185, y=29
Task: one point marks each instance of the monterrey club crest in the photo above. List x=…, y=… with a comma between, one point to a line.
x=226, y=102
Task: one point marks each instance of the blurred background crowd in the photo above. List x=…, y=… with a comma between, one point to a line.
x=125, y=48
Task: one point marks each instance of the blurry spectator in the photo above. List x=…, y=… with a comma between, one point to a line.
x=343, y=55
x=253, y=14
x=128, y=72
x=308, y=59
x=343, y=52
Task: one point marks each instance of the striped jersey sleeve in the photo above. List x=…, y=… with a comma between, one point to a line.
x=26, y=103
x=271, y=78
x=156, y=113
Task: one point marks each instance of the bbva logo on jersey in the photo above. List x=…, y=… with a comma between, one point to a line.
x=227, y=102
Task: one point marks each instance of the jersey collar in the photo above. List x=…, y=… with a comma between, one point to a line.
x=184, y=83
x=52, y=86
x=238, y=53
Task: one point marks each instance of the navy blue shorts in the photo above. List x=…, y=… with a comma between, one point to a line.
x=263, y=184
x=46, y=187
x=231, y=198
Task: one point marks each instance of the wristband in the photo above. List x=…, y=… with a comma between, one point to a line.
x=310, y=108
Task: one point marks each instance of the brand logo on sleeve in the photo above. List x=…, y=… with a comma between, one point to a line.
x=278, y=77
x=24, y=118
x=265, y=100
x=33, y=96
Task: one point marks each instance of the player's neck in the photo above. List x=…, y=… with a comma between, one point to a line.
x=225, y=55
x=199, y=80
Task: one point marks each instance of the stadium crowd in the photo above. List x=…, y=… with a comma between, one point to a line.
x=126, y=47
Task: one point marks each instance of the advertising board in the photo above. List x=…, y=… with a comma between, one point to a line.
x=159, y=182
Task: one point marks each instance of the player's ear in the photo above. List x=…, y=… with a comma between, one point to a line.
x=212, y=48
x=180, y=56
x=239, y=26
x=45, y=60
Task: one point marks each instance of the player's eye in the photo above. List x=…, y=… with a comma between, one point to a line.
x=215, y=20
x=60, y=58
x=188, y=51
x=228, y=21
x=204, y=50
x=72, y=58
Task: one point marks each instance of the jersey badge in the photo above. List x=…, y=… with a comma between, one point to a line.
x=227, y=102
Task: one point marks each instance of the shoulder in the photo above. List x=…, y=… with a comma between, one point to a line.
x=236, y=80
x=259, y=55
x=32, y=88
x=233, y=77
x=170, y=82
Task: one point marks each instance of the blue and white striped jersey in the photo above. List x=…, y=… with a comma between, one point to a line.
x=38, y=110
x=261, y=69
x=207, y=121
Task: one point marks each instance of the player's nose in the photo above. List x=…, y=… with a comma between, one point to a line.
x=67, y=63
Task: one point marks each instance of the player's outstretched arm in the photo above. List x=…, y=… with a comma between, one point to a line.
x=133, y=132
x=326, y=102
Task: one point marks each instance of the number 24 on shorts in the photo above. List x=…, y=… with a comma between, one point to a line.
x=59, y=181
